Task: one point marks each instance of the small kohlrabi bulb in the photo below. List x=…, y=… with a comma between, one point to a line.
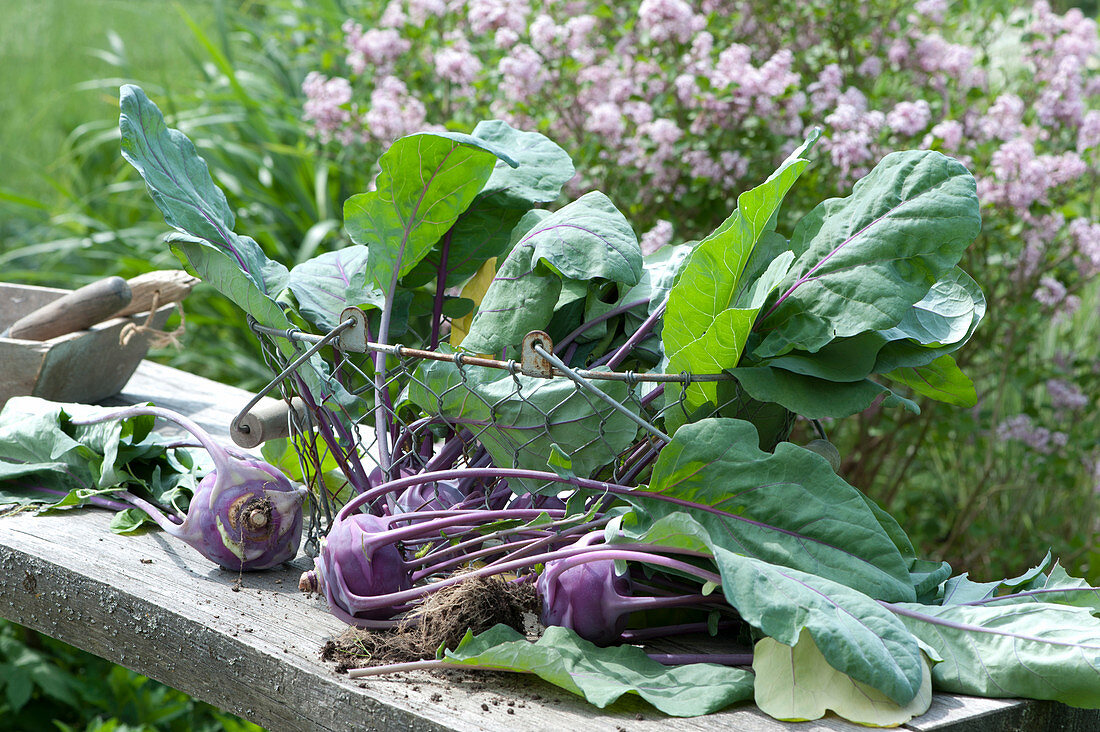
x=589, y=598
x=434, y=496
x=245, y=514
x=356, y=564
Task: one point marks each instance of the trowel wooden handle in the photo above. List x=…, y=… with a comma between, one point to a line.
x=80, y=309
x=268, y=420
x=159, y=287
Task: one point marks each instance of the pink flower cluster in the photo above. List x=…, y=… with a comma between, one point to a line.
x=665, y=20
x=378, y=48
x=672, y=95
x=1022, y=428
x=327, y=106
x=660, y=235
x=1065, y=396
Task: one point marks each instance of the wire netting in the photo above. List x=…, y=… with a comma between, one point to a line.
x=363, y=418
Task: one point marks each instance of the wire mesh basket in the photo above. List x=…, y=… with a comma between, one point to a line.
x=363, y=414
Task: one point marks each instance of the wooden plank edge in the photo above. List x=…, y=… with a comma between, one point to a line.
x=260, y=687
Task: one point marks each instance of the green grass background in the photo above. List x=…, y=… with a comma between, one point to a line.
x=51, y=49
x=59, y=70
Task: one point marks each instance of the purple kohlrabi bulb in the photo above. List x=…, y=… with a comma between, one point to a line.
x=245, y=513
x=589, y=598
x=253, y=516
x=437, y=496
x=355, y=565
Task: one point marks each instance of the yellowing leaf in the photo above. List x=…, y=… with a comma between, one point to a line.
x=796, y=684
x=473, y=290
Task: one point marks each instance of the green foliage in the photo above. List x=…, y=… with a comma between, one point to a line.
x=797, y=684
x=602, y=675
x=521, y=433
x=789, y=507
x=555, y=259
x=47, y=460
x=46, y=684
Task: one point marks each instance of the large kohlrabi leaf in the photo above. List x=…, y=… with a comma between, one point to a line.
x=46, y=460
x=426, y=181
x=787, y=508
x=602, y=675
x=586, y=241
x=1057, y=586
x=942, y=380
x=863, y=261
x=855, y=634
x=483, y=230
x=961, y=590
x=328, y=283
x=1037, y=650
x=518, y=418
x=543, y=167
x=179, y=183
x=946, y=316
x=812, y=397
x=797, y=684
x=703, y=332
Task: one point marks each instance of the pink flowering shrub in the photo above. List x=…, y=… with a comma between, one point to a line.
x=673, y=107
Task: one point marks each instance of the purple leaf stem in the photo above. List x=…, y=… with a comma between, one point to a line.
x=440, y=286
x=596, y=321
x=94, y=500
x=649, y=398
x=1032, y=594
x=636, y=635
x=515, y=549
x=969, y=628
x=637, y=337
x=393, y=599
x=349, y=464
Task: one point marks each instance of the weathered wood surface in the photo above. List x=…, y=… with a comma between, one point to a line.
x=251, y=643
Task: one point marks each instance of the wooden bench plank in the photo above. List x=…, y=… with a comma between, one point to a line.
x=250, y=644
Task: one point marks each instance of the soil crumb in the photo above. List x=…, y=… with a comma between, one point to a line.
x=475, y=604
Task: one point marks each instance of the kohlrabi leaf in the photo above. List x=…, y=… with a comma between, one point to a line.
x=961, y=590
x=474, y=290
x=542, y=166
x=1056, y=587
x=179, y=183
x=927, y=576
x=941, y=380
x=952, y=310
x=426, y=181
x=844, y=360
x=797, y=684
x=854, y=632
x=863, y=261
x=699, y=318
x=659, y=271
x=46, y=460
x=603, y=675
x=947, y=314
x=221, y=272
x=720, y=348
x=787, y=508
x=1036, y=650
x=326, y=284
x=587, y=241
x=809, y=396
x=483, y=230
x=518, y=418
